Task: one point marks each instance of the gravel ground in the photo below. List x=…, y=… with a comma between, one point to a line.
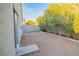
x=50, y=44
x=30, y=28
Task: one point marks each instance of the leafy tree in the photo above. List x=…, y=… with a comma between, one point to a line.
x=30, y=22
x=62, y=19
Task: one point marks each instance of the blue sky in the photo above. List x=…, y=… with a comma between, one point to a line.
x=33, y=10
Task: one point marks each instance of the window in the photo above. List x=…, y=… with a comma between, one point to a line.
x=16, y=28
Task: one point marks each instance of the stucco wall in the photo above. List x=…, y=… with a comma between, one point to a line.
x=7, y=45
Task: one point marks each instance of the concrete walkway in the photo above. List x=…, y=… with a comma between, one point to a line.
x=50, y=44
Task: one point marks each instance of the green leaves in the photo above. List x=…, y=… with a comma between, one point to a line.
x=58, y=19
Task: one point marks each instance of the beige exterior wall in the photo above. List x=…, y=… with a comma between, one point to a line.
x=7, y=43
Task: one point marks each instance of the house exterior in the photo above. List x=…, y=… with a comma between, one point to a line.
x=10, y=28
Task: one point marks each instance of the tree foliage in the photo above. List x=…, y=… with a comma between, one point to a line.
x=62, y=19
x=30, y=22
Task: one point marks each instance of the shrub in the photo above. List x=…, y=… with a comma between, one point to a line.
x=61, y=19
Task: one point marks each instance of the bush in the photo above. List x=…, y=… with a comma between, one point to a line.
x=59, y=19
